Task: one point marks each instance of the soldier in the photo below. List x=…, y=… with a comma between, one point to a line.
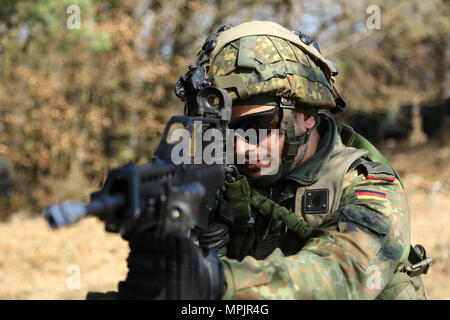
x=332, y=222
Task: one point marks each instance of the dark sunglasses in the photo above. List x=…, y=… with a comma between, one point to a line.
x=270, y=119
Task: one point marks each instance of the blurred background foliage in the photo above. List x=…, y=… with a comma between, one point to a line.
x=77, y=102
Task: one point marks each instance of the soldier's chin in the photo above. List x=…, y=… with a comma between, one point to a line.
x=251, y=173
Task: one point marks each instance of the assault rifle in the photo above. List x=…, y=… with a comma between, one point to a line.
x=170, y=197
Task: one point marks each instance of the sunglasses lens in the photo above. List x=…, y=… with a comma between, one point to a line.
x=264, y=120
x=267, y=120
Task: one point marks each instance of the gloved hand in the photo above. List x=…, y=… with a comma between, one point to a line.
x=173, y=268
x=217, y=236
x=242, y=198
x=268, y=207
x=243, y=235
x=237, y=193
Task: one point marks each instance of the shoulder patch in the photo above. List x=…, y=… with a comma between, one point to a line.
x=367, y=218
x=376, y=170
x=370, y=194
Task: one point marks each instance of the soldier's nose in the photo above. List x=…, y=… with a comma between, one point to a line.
x=241, y=145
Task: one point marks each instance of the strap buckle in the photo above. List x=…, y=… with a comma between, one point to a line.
x=419, y=260
x=340, y=105
x=286, y=103
x=425, y=264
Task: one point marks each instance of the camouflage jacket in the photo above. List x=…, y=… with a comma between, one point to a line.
x=352, y=252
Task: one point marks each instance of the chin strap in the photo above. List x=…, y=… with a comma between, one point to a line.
x=292, y=141
x=302, y=156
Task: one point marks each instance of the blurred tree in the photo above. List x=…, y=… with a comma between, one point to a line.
x=91, y=98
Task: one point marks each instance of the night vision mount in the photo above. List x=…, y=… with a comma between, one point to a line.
x=195, y=80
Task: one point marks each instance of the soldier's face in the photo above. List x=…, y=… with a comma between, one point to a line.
x=262, y=155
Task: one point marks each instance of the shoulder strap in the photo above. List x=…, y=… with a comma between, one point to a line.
x=353, y=139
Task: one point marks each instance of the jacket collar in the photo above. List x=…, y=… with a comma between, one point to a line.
x=309, y=172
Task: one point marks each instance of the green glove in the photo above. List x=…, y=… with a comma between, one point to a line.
x=237, y=194
x=268, y=207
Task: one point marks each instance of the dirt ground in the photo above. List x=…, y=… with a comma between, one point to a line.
x=425, y=171
x=39, y=263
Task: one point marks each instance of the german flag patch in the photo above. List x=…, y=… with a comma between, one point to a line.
x=370, y=194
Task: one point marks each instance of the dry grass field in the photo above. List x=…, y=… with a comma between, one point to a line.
x=39, y=263
x=425, y=171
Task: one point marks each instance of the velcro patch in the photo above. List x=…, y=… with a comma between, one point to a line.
x=381, y=178
x=377, y=171
x=316, y=201
x=370, y=194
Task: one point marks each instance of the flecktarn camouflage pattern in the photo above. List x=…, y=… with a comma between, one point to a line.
x=352, y=250
x=356, y=249
x=272, y=66
x=352, y=255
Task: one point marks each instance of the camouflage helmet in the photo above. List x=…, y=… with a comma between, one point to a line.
x=261, y=58
x=264, y=59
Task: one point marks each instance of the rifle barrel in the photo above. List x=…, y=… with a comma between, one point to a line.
x=68, y=213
